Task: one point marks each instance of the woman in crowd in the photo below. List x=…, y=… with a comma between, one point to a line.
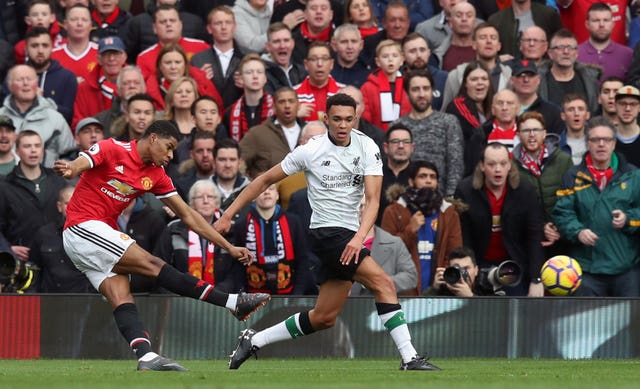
x=172, y=63
x=360, y=13
x=189, y=253
x=472, y=107
x=182, y=93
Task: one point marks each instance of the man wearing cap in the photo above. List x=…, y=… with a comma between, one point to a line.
x=628, y=137
x=88, y=132
x=525, y=81
x=8, y=158
x=96, y=93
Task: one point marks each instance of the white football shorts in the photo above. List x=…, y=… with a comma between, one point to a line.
x=95, y=248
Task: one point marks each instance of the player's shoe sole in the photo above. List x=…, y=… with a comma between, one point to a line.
x=160, y=363
x=244, y=350
x=248, y=303
x=418, y=363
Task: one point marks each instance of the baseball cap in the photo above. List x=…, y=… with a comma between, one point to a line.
x=85, y=122
x=628, y=91
x=524, y=66
x=5, y=121
x=110, y=43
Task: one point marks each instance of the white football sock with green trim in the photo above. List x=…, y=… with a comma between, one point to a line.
x=396, y=324
x=288, y=329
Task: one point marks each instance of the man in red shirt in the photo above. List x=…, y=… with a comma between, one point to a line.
x=504, y=220
x=114, y=174
x=79, y=54
x=318, y=85
x=168, y=27
x=97, y=92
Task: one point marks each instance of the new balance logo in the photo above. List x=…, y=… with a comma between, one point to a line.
x=120, y=169
x=325, y=163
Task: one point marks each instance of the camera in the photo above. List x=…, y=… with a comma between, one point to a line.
x=493, y=279
x=455, y=273
x=19, y=274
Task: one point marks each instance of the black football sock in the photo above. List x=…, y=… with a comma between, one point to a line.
x=131, y=328
x=187, y=285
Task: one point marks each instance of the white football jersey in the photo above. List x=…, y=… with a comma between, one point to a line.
x=335, y=177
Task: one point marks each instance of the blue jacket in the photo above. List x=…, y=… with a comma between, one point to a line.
x=61, y=86
x=419, y=10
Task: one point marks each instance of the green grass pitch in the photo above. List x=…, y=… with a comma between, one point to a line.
x=324, y=373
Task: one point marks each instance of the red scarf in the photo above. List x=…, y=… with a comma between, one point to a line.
x=465, y=112
x=600, y=176
x=534, y=165
x=389, y=103
x=324, y=36
x=238, y=119
x=196, y=259
x=366, y=31
x=263, y=264
x=109, y=89
x=108, y=20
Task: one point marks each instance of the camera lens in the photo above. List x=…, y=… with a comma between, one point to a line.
x=452, y=274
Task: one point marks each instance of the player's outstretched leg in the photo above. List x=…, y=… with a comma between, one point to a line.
x=132, y=329
x=374, y=278
x=250, y=341
x=241, y=305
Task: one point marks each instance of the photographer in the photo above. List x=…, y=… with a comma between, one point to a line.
x=463, y=259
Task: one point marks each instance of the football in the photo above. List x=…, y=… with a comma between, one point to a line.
x=561, y=275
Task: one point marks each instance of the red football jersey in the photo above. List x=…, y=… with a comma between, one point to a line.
x=146, y=61
x=116, y=177
x=80, y=65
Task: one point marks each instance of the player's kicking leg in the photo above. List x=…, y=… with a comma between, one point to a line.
x=139, y=261
x=331, y=299
x=374, y=278
x=116, y=290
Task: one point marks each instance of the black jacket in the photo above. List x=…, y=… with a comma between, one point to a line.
x=22, y=209
x=276, y=78
x=224, y=82
x=521, y=220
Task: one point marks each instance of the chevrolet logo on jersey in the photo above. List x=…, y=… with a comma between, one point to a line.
x=121, y=187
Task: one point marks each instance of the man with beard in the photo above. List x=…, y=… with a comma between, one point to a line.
x=416, y=56
x=599, y=49
x=55, y=82
x=437, y=135
x=428, y=225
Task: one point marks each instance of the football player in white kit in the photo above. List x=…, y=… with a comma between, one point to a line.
x=340, y=167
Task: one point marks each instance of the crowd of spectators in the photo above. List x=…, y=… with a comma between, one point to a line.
x=509, y=130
